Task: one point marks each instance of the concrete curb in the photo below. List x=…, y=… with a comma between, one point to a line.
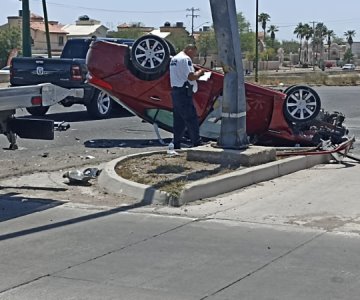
x=112, y=183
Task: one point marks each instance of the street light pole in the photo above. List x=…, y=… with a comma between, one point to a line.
x=48, y=43
x=257, y=42
x=26, y=37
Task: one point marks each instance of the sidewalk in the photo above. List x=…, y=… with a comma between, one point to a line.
x=294, y=237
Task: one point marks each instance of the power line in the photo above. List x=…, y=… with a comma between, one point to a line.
x=114, y=10
x=193, y=16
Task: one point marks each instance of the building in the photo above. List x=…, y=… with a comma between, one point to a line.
x=138, y=27
x=38, y=33
x=85, y=27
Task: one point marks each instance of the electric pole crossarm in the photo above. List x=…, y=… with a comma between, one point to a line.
x=193, y=16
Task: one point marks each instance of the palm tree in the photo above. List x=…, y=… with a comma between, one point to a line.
x=308, y=33
x=319, y=34
x=299, y=31
x=263, y=18
x=330, y=34
x=272, y=29
x=349, y=37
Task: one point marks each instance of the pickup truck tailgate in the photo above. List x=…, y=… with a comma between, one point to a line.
x=45, y=94
x=30, y=71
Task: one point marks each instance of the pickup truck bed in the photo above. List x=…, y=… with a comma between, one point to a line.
x=33, y=96
x=69, y=71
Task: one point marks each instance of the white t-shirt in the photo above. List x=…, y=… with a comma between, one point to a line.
x=180, y=68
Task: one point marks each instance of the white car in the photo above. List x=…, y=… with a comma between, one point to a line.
x=348, y=67
x=5, y=70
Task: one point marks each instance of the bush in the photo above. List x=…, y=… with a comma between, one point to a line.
x=328, y=65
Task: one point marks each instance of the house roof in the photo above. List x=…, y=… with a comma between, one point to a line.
x=54, y=27
x=82, y=29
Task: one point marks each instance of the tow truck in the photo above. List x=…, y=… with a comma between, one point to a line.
x=39, y=95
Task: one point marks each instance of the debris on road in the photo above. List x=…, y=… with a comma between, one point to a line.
x=82, y=177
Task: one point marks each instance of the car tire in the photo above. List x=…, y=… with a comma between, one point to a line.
x=100, y=106
x=301, y=105
x=172, y=49
x=38, y=111
x=150, y=57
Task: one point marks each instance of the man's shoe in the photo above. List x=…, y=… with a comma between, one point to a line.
x=200, y=143
x=177, y=146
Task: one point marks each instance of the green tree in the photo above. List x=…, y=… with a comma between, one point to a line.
x=179, y=41
x=330, y=34
x=247, y=36
x=268, y=54
x=131, y=33
x=308, y=33
x=206, y=43
x=290, y=46
x=318, y=38
x=300, y=34
x=272, y=29
x=263, y=18
x=243, y=24
x=349, y=37
x=348, y=56
x=338, y=40
x=10, y=38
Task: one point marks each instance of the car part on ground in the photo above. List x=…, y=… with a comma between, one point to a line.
x=337, y=151
x=82, y=177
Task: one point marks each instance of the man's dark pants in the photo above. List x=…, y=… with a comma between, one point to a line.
x=185, y=117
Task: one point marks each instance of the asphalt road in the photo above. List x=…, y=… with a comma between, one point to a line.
x=127, y=131
x=295, y=237
x=347, y=101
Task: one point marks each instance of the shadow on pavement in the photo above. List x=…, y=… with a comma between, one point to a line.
x=114, y=143
x=32, y=205
x=12, y=206
x=78, y=116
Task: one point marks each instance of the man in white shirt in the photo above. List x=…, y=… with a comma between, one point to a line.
x=183, y=84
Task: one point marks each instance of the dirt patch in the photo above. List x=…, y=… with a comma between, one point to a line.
x=169, y=173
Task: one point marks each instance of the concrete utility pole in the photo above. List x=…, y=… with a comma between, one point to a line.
x=26, y=37
x=233, y=122
x=192, y=18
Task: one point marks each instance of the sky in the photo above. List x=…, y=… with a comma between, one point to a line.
x=286, y=14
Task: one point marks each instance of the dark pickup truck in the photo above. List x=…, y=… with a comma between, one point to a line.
x=68, y=71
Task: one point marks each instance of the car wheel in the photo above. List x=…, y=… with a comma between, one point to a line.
x=38, y=111
x=100, y=107
x=150, y=54
x=302, y=104
x=172, y=50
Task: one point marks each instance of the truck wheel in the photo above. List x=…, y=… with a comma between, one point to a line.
x=100, y=106
x=38, y=111
x=150, y=55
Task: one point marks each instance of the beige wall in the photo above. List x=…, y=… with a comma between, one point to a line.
x=40, y=44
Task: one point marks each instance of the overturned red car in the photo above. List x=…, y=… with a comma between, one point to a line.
x=138, y=78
